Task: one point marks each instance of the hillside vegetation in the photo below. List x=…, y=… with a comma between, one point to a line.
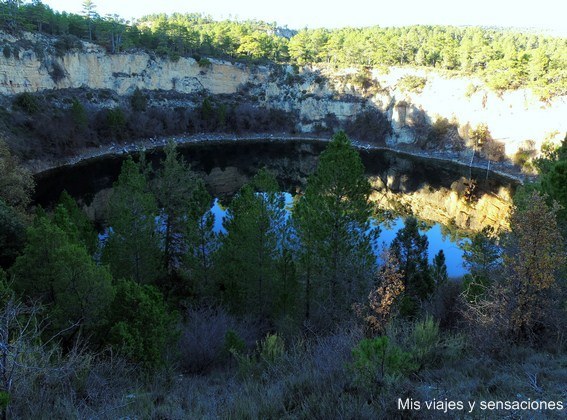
x=505, y=59
x=290, y=310
x=167, y=317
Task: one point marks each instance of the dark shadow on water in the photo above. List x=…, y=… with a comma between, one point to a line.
x=227, y=165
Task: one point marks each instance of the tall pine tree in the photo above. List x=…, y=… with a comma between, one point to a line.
x=252, y=246
x=57, y=271
x=201, y=242
x=132, y=249
x=335, y=232
x=173, y=187
x=439, y=269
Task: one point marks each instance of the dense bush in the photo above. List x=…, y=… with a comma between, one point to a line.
x=138, y=101
x=66, y=43
x=414, y=84
x=116, y=123
x=12, y=234
x=141, y=325
x=370, y=125
x=524, y=157
x=27, y=103
x=376, y=361
x=438, y=131
x=204, y=62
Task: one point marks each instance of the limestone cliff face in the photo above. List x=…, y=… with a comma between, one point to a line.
x=314, y=93
x=512, y=117
x=120, y=72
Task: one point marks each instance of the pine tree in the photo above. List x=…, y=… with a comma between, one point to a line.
x=89, y=12
x=173, y=187
x=554, y=183
x=481, y=257
x=439, y=269
x=132, y=249
x=247, y=261
x=34, y=268
x=138, y=101
x=60, y=273
x=410, y=248
x=200, y=241
x=69, y=217
x=79, y=117
x=334, y=229
x=481, y=253
x=83, y=290
x=141, y=325
x=11, y=13
x=12, y=234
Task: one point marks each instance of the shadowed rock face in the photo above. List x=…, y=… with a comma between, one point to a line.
x=434, y=190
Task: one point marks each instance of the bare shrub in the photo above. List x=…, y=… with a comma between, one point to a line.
x=37, y=379
x=331, y=353
x=66, y=43
x=383, y=300
x=109, y=381
x=27, y=102
x=443, y=304
x=49, y=381
x=485, y=320
x=203, y=334
x=442, y=134
x=494, y=150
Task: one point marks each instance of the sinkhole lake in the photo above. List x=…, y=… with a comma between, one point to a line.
x=437, y=238
x=434, y=187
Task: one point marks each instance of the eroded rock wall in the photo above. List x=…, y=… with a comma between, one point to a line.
x=119, y=72
x=316, y=93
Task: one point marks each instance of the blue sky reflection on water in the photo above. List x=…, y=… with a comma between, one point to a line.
x=437, y=240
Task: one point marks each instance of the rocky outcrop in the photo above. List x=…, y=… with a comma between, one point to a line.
x=119, y=72
x=317, y=94
x=512, y=117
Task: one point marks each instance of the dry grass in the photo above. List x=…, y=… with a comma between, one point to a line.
x=313, y=378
